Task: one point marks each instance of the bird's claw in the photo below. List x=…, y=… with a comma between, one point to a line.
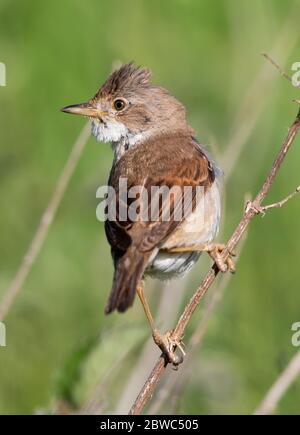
x=168, y=343
x=215, y=252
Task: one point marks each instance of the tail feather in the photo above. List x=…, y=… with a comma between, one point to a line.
x=128, y=273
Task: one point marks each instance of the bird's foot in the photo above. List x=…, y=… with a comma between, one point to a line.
x=215, y=251
x=168, y=343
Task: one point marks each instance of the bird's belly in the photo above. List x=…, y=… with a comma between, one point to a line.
x=171, y=265
x=200, y=229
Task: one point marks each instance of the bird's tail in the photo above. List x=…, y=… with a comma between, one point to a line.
x=129, y=271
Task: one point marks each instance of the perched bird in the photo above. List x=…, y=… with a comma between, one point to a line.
x=153, y=146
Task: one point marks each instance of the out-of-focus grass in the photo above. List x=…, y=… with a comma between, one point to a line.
x=207, y=54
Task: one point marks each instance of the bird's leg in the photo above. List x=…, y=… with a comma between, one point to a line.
x=215, y=251
x=166, y=342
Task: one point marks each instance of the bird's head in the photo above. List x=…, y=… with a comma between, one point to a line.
x=128, y=107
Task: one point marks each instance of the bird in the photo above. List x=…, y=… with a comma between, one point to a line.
x=154, y=146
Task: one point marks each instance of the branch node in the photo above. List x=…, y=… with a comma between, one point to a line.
x=256, y=208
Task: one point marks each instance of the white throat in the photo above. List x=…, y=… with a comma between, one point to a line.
x=118, y=134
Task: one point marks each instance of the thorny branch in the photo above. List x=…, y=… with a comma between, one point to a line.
x=253, y=208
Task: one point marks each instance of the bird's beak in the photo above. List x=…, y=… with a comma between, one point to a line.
x=84, y=109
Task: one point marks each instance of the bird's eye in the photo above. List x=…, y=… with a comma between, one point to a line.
x=119, y=104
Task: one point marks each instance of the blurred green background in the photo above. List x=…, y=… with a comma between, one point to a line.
x=61, y=349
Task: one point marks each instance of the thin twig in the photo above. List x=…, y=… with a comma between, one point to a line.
x=44, y=225
x=152, y=381
x=281, y=71
x=280, y=386
x=279, y=204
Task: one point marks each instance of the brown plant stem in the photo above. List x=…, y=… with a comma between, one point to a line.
x=252, y=209
x=279, y=204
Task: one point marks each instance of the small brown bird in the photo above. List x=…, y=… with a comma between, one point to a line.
x=153, y=146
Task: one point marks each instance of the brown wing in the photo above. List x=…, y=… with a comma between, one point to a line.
x=170, y=161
